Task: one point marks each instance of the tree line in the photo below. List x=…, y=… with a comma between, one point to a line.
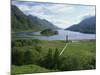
x=51, y=60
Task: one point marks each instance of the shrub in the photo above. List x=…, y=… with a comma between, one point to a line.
x=17, y=57
x=28, y=57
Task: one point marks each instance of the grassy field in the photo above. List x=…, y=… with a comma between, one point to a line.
x=78, y=53
x=27, y=69
x=74, y=48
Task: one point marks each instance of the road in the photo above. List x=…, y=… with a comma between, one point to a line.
x=63, y=49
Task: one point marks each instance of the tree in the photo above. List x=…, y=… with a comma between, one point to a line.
x=48, y=59
x=28, y=57
x=56, y=59
x=17, y=57
x=38, y=48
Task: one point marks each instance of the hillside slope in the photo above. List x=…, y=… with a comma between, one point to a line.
x=22, y=22
x=88, y=25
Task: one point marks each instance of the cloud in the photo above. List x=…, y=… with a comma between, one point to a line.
x=59, y=8
x=61, y=15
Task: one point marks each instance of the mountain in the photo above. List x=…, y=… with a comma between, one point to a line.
x=22, y=22
x=18, y=19
x=41, y=23
x=87, y=25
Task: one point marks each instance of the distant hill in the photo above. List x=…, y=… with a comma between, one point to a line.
x=22, y=22
x=41, y=23
x=88, y=25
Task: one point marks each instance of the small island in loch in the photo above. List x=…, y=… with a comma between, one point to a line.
x=49, y=32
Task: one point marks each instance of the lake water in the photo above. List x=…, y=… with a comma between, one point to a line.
x=61, y=36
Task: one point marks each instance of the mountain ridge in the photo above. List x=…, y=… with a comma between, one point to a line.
x=87, y=25
x=22, y=22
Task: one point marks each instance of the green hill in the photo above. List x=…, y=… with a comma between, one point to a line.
x=22, y=22
x=88, y=25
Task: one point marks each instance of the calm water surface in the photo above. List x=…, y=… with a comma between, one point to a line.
x=61, y=36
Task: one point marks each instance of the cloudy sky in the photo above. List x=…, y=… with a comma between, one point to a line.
x=61, y=15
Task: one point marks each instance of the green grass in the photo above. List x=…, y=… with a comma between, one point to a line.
x=42, y=34
x=27, y=69
x=74, y=48
x=80, y=48
x=52, y=45
x=81, y=52
x=35, y=34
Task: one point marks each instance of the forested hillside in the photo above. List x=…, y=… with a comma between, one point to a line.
x=22, y=22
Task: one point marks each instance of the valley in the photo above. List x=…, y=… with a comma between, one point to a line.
x=38, y=45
